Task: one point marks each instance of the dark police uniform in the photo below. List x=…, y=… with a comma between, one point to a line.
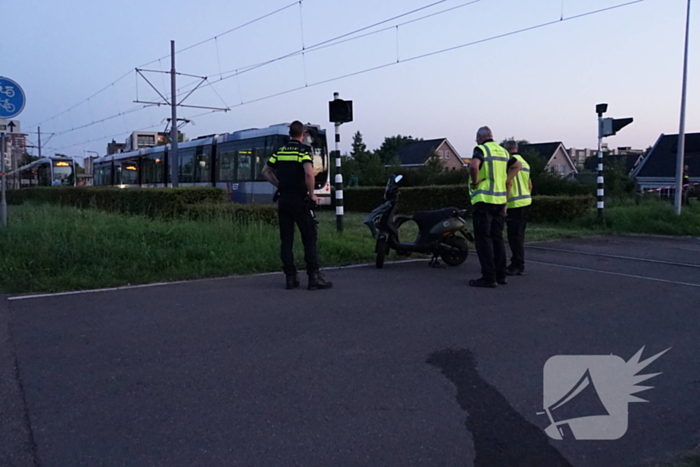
x=295, y=207
x=488, y=200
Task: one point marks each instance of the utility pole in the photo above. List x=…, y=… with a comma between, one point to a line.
x=173, y=122
x=172, y=102
x=681, y=132
x=38, y=135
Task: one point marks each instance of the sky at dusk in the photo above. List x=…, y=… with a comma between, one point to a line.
x=540, y=85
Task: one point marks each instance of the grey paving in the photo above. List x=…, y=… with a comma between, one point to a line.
x=401, y=366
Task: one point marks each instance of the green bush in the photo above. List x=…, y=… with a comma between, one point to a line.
x=549, y=184
x=413, y=199
x=151, y=202
x=559, y=208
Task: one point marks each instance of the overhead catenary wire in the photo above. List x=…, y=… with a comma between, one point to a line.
x=323, y=44
x=253, y=21
x=303, y=46
x=441, y=51
x=337, y=40
x=422, y=56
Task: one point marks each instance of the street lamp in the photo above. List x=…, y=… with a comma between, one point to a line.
x=681, y=131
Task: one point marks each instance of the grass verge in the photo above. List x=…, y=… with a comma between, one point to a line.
x=52, y=248
x=55, y=248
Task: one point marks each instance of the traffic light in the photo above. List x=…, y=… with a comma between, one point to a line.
x=610, y=126
x=340, y=111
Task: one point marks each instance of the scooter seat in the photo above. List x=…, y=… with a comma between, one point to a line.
x=430, y=218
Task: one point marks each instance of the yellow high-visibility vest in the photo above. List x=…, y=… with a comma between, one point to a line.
x=520, y=195
x=492, y=175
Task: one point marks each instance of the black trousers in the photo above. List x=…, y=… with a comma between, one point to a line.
x=297, y=209
x=517, y=222
x=488, y=236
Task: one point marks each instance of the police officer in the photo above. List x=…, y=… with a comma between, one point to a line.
x=488, y=198
x=519, y=188
x=291, y=171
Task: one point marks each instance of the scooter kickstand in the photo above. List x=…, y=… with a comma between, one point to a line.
x=435, y=263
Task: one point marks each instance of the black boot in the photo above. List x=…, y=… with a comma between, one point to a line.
x=292, y=281
x=317, y=282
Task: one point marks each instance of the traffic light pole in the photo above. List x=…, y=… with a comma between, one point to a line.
x=601, y=180
x=681, y=133
x=339, y=210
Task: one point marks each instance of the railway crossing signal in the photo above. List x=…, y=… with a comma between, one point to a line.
x=340, y=112
x=606, y=127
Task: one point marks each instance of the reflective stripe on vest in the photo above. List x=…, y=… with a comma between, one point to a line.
x=492, y=173
x=520, y=191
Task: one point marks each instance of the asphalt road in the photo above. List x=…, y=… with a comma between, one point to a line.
x=399, y=367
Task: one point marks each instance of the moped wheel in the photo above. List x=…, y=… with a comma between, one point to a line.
x=382, y=249
x=454, y=251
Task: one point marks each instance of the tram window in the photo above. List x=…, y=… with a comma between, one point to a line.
x=203, y=164
x=245, y=165
x=44, y=175
x=226, y=165
x=153, y=169
x=130, y=172
x=186, y=158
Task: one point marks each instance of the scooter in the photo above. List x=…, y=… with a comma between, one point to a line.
x=440, y=233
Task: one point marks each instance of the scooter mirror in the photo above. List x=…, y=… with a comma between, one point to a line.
x=398, y=178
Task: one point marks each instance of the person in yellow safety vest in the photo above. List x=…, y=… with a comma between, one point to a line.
x=488, y=170
x=519, y=188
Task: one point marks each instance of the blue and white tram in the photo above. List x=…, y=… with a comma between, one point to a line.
x=47, y=171
x=232, y=161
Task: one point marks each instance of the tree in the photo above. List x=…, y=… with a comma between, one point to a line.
x=27, y=159
x=367, y=166
x=432, y=169
x=520, y=142
x=359, y=148
x=388, y=152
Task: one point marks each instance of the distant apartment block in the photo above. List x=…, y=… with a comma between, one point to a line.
x=15, y=148
x=579, y=156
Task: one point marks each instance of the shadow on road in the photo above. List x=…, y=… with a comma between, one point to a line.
x=502, y=437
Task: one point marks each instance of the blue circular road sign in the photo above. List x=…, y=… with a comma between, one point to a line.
x=11, y=98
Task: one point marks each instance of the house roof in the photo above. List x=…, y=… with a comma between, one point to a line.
x=661, y=160
x=631, y=161
x=547, y=150
x=417, y=152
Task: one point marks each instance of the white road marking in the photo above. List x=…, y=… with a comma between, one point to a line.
x=159, y=284
x=616, y=274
